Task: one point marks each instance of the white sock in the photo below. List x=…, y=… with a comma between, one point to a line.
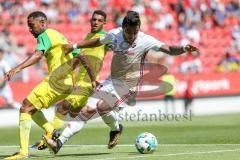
x=111, y=119
x=72, y=128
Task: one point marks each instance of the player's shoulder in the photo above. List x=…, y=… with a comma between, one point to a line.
x=50, y=32
x=55, y=36
x=143, y=35
x=115, y=31
x=47, y=34
x=95, y=35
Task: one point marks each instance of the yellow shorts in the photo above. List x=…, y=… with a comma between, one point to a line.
x=77, y=101
x=44, y=95
x=78, y=98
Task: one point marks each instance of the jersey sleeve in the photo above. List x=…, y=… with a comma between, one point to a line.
x=109, y=37
x=43, y=42
x=152, y=43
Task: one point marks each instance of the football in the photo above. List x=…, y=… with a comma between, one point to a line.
x=146, y=143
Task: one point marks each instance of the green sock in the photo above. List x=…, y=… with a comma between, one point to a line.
x=42, y=122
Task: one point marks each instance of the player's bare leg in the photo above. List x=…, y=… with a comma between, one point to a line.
x=77, y=123
x=110, y=118
x=60, y=114
x=73, y=127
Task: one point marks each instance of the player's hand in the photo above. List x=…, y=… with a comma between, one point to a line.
x=8, y=76
x=67, y=48
x=95, y=84
x=190, y=48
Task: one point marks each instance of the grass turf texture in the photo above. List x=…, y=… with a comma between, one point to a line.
x=207, y=137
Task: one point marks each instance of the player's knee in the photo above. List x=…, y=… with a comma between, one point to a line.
x=63, y=108
x=27, y=107
x=90, y=110
x=23, y=109
x=65, y=105
x=99, y=106
x=103, y=107
x=86, y=113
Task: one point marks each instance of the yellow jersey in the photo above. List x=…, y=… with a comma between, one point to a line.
x=59, y=64
x=94, y=56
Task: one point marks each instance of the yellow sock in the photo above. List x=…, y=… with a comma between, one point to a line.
x=42, y=122
x=24, y=132
x=58, y=121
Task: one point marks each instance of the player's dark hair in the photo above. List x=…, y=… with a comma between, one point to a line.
x=100, y=12
x=37, y=14
x=131, y=19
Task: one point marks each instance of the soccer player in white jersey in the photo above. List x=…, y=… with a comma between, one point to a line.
x=130, y=47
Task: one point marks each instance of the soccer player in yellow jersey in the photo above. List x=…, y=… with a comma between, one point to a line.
x=56, y=86
x=94, y=56
x=78, y=98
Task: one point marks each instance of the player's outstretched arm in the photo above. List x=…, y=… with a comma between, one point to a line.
x=84, y=44
x=83, y=59
x=76, y=68
x=177, y=50
x=35, y=57
x=107, y=39
x=89, y=43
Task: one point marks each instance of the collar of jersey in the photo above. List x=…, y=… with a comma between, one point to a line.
x=43, y=32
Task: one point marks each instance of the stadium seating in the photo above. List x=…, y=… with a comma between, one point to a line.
x=215, y=40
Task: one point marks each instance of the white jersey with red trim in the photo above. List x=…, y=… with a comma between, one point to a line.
x=127, y=58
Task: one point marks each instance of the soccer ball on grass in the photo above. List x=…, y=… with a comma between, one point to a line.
x=146, y=143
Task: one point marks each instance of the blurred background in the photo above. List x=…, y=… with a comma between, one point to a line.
x=208, y=83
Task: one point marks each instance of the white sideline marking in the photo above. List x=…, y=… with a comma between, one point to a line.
x=131, y=145
x=168, y=155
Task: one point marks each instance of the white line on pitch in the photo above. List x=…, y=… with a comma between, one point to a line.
x=131, y=145
x=169, y=155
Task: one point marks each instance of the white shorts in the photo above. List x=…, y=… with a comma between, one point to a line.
x=115, y=95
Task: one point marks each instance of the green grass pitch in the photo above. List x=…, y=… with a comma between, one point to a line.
x=203, y=138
